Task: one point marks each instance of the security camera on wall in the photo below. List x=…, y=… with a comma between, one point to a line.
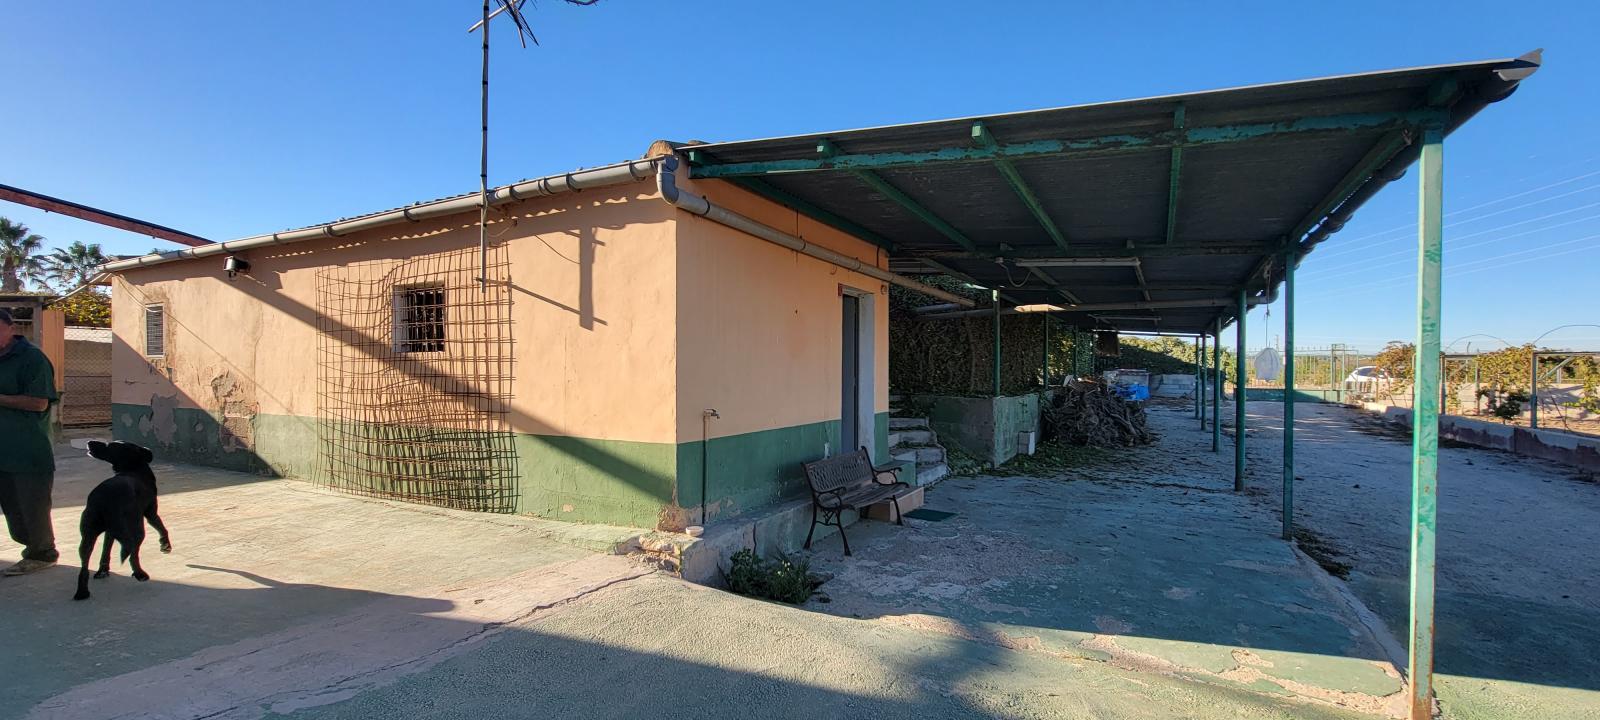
x=236, y=265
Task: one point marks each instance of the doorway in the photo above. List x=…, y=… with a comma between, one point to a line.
x=856, y=357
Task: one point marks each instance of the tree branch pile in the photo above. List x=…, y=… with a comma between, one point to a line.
x=1087, y=413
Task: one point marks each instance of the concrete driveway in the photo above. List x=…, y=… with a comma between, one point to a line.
x=1121, y=593
x=272, y=588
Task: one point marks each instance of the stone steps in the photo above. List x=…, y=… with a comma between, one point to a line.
x=911, y=437
x=912, y=440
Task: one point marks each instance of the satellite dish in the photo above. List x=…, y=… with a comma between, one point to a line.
x=1268, y=365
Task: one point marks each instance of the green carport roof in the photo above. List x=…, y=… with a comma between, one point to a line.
x=1147, y=214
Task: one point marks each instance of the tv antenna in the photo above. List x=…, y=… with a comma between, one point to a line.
x=512, y=9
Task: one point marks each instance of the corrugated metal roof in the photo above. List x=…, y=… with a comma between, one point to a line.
x=1102, y=174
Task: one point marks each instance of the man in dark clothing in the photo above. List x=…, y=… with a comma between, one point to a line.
x=28, y=464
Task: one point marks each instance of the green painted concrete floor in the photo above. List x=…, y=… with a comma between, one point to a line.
x=1147, y=563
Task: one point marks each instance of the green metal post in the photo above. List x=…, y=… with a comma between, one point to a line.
x=1288, y=396
x=1533, y=393
x=1238, y=396
x=994, y=297
x=1425, y=423
x=1216, y=388
x=1200, y=380
x=1333, y=377
x=1044, y=373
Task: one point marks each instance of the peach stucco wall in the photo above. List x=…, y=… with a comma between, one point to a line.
x=593, y=279
x=629, y=318
x=759, y=325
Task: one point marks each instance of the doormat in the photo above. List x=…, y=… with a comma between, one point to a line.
x=926, y=514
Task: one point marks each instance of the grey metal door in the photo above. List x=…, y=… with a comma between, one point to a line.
x=850, y=363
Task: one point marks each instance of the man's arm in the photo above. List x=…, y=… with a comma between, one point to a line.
x=38, y=388
x=24, y=402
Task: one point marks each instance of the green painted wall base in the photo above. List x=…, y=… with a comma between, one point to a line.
x=616, y=482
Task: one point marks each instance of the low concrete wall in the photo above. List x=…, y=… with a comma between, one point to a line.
x=985, y=427
x=1276, y=395
x=1575, y=450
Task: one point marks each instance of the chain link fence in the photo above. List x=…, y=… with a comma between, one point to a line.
x=86, y=385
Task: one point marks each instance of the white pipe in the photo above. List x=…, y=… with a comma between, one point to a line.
x=666, y=181
x=663, y=168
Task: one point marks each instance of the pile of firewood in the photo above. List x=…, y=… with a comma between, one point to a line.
x=1089, y=413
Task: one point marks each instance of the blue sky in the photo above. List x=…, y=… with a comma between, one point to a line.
x=230, y=119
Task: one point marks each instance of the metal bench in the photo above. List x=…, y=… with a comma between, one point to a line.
x=849, y=482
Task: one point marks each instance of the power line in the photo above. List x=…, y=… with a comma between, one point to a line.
x=1524, y=193
x=1458, y=270
x=1366, y=264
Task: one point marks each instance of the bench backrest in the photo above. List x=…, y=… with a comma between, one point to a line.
x=839, y=472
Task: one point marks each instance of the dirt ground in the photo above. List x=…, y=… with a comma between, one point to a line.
x=1518, y=609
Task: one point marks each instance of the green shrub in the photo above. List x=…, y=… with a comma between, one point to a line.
x=782, y=580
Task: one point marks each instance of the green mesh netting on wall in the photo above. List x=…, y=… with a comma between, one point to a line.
x=955, y=356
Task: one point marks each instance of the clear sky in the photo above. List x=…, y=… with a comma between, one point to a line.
x=230, y=119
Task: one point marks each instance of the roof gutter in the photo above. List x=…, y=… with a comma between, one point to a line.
x=666, y=180
x=608, y=175
x=663, y=168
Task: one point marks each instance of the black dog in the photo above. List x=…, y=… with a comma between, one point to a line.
x=119, y=508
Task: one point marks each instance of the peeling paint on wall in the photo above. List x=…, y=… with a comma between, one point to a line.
x=161, y=423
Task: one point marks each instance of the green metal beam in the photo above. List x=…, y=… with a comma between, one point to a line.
x=1078, y=251
x=1425, y=420
x=1238, y=396
x=1159, y=287
x=981, y=136
x=1288, y=396
x=1199, y=373
x=957, y=274
x=1380, y=154
x=1176, y=171
x=804, y=207
x=1138, y=274
x=1049, y=281
x=1105, y=144
x=826, y=150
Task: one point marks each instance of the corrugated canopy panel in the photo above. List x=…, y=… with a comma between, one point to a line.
x=1207, y=191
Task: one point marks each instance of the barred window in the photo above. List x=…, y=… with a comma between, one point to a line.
x=419, y=319
x=155, y=331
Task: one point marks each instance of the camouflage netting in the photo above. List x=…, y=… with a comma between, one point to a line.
x=954, y=357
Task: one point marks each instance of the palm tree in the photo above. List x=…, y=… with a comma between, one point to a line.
x=19, y=259
x=71, y=267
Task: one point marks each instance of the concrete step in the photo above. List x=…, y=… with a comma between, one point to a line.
x=931, y=474
x=904, y=423
x=905, y=455
x=929, y=455
x=911, y=437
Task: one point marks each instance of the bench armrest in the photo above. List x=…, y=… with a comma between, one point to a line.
x=893, y=470
x=837, y=494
